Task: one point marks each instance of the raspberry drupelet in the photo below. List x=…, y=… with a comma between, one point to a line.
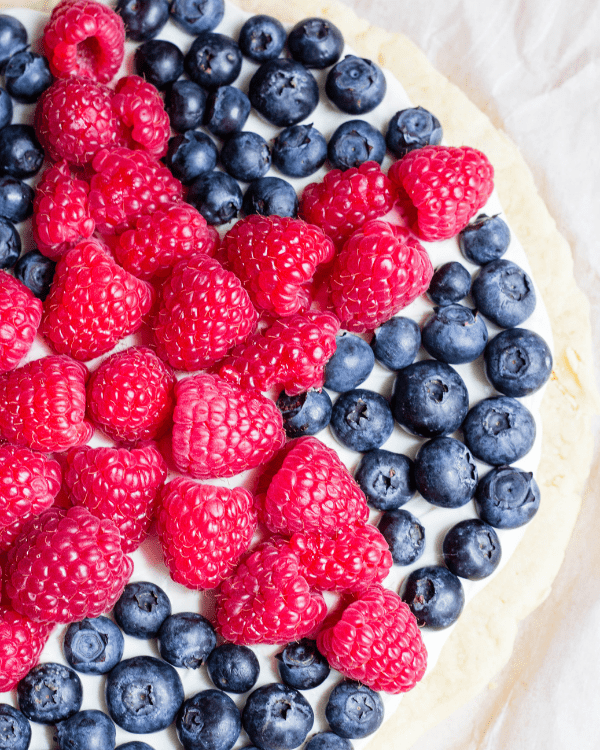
x=144, y=124
x=21, y=643
x=20, y=317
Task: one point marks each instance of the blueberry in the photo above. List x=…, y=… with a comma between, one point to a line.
x=283, y=91
x=141, y=609
x=507, y=497
x=412, y=128
x=27, y=75
x=93, y=645
x=246, y=156
x=233, y=668
x=353, y=710
x=50, y=693
x=404, y=534
x=135, y=745
x=435, y=596
x=445, y=472
x=386, y=478
x=350, y=365
x=305, y=413
x=143, y=19
x=449, y=284
x=485, y=239
x=10, y=244
x=158, y=61
x=143, y=694
x=86, y=730
x=277, y=717
x=6, y=108
x=196, y=16
x=316, y=43
x=185, y=103
x=270, y=196
x=35, y=271
x=396, y=342
x=299, y=151
x=227, y=110
x=454, y=334
x=361, y=420
x=186, y=639
x=213, y=60
x=518, y=362
x=355, y=85
x=353, y=143
x=15, y=730
x=191, y=154
x=21, y=154
x=328, y=741
x=13, y=38
x=302, y=665
x=430, y=399
x=499, y=430
x=16, y=199
x=262, y=38
x=504, y=293
x=472, y=549
x=217, y=196
x=209, y=720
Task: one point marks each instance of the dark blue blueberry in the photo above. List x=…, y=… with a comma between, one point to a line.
x=396, y=342
x=507, y=497
x=209, y=720
x=93, y=645
x=13, y=38
x=350, y=365
x=472, y=549
x=262, y=38
x=217, y=196
x=141, y=609
x=302, y=665
x=158, y=61
x=196, y=16
x=277, y=717
x=15, y=730
x=404, y=534
x=435, y=596
x=353, y=143
x=361, y=420
x=386, y=478
x=445, y=472
x=143, y=694
x=316, y=43
x=485, y=239
x=306, y=413
x=270, y=196
x=186, y=639
x=355, y=85
x=10, y=244
x=299, y=151
x=499, y=430
x=454, y=334
x=504, y=293
x=353, y=710
x=16, y=199
x=50, y=693
x=328, y=741
x=227, y=110
x=86, y=730
x=412, y=128
x=27, y=75
x=518, y=362
x=233, y=668
x=246, y=156
x=185, y=103
x=430, y=399
x=213, y=60
x=191, y=154
x=449, y=284
x=143, y=19
x=135, y=745
x=6, y=108
x=283, y=91
x=35, y=271
x=21, y=154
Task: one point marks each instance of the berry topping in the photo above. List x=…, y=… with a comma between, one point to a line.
x=361, y=420
x=217, y=196
x=504, y=293
x=277, y=717
x=396, y=342
x=306, y=413
x=315, y=42
x=355, y=85
x=262, y=38
x=20, y=316
x=21, y=643
x=412, y=128
x=471, y=549
x=485, y=239
x=246, y=156
x=27, y=75
x=445, y=472
x=185, y=103
x=186, y=639
x=507, y=497
x=13, y=37
x=299, y=151
x=213, y=60
x=454, y=334
x=283, y=91
x=386, y=478
x=141, y=609
x=354, y=710
x=21, y=154
x=158, y=61
x=50, y=693
x=518, y=362
x=15, y=728
x=435, y=596
x=227, y=110
x=190, y=155
x=94, y=645
x=351, y=364
x=270, y=196
x=36, y=272
x=404, y=534
x=86, y=729
x=143, y=19
x=196, y=16
x=449, y=284
x=232, y=668
x=144, y=124
x=302, y=666
x=16, y=200
x=209, y=720
x=353, y=143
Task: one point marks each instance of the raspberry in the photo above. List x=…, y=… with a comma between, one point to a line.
x=93, y=303
x=380, y=270
x=20, y=316
x=376, y=641
x=220, y=430
x=21, y=643
x=311, y=490
x=203, y=530
x=446, y=185
x=203, y=311
x=290, y=353
x=119, y=484
x=44, y=405
x=344, y=201
x=268, y=600
x=275, y=259
x=67, y=565
x=84, y=38
x=131, y=395
x=140, y=109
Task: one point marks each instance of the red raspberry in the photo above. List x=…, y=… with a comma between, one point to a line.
x=220, y=430
x=20, y=316
x=44, y=405
x=203, y=530
x=376, y=640
x=446, y=185
x=268, y=600
x=141, y=112
x=131, y=395
x=290, y=353
x=275, y=259
x=119, y=484
x=93, y=303
x=21, y=643
x=380, y=270
x=67, y=565
x=344, y=201
x=84, y=38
